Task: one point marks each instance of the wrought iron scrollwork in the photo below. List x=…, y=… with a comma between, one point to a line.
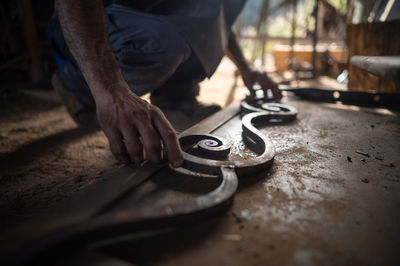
x=214, y=161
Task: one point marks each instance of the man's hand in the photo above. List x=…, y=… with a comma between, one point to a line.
x=135, y=129
x=251, y=77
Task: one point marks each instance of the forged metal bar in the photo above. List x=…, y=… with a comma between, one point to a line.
x=369, y=99
x=112, y=187
x=274, y=110
x=215, y=121
x=253, y=138
x=85, y=204
x=118, y=223
x=387, y=67
x=109, y=225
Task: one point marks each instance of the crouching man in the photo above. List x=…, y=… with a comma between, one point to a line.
x=113, y=52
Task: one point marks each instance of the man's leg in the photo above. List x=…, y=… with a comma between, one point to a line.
x=152, y=52
x=149, y=52
x=182, y=88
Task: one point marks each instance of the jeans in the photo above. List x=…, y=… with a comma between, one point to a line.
x=151, y=53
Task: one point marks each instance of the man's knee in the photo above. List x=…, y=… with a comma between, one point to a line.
x=149, y=50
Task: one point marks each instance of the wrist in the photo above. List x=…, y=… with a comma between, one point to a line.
x=111, y=92
x=106, y=80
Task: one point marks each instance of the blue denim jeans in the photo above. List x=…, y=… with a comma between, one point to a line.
x=150, y=52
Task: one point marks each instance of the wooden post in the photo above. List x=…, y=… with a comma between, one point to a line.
x=372, y=39
x=315, y=40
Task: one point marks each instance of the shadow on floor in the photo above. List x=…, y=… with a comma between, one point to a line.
x=32, y=151
x=164, y=247
x=31, y=102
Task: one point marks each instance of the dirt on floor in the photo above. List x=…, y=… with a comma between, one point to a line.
x=45, y=156
x=322, y=202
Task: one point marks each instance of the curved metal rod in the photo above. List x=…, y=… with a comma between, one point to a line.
x=253, y=138
x=110, y=225
x=275, y=110
x=119, y=223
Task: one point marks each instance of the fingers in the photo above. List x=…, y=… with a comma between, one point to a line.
x=117, y=146
x=249, y=82
x=252, y=92
x=134, y=128
x=276, y=91
x=170, y=139
x=151, y=129
x=267, y=84
x=132, y=143
x=151, y=141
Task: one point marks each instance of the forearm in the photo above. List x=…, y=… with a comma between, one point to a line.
x=85, y=32
x=131, y=124
x=235, y=54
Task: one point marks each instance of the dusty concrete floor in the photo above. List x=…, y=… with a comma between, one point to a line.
x=314, y=207
x=320, y=204
x=45, y=157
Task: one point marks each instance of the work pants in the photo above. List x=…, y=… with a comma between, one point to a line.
x=152, y=54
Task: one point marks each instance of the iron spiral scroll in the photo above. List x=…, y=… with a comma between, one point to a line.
x=212, y=162
x=216, y=151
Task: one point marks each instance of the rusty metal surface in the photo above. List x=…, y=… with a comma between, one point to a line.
x=108, y=225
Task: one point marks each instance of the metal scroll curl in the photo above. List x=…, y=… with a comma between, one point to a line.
x=253, y=114
x=217, y=151
x=111, y=225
